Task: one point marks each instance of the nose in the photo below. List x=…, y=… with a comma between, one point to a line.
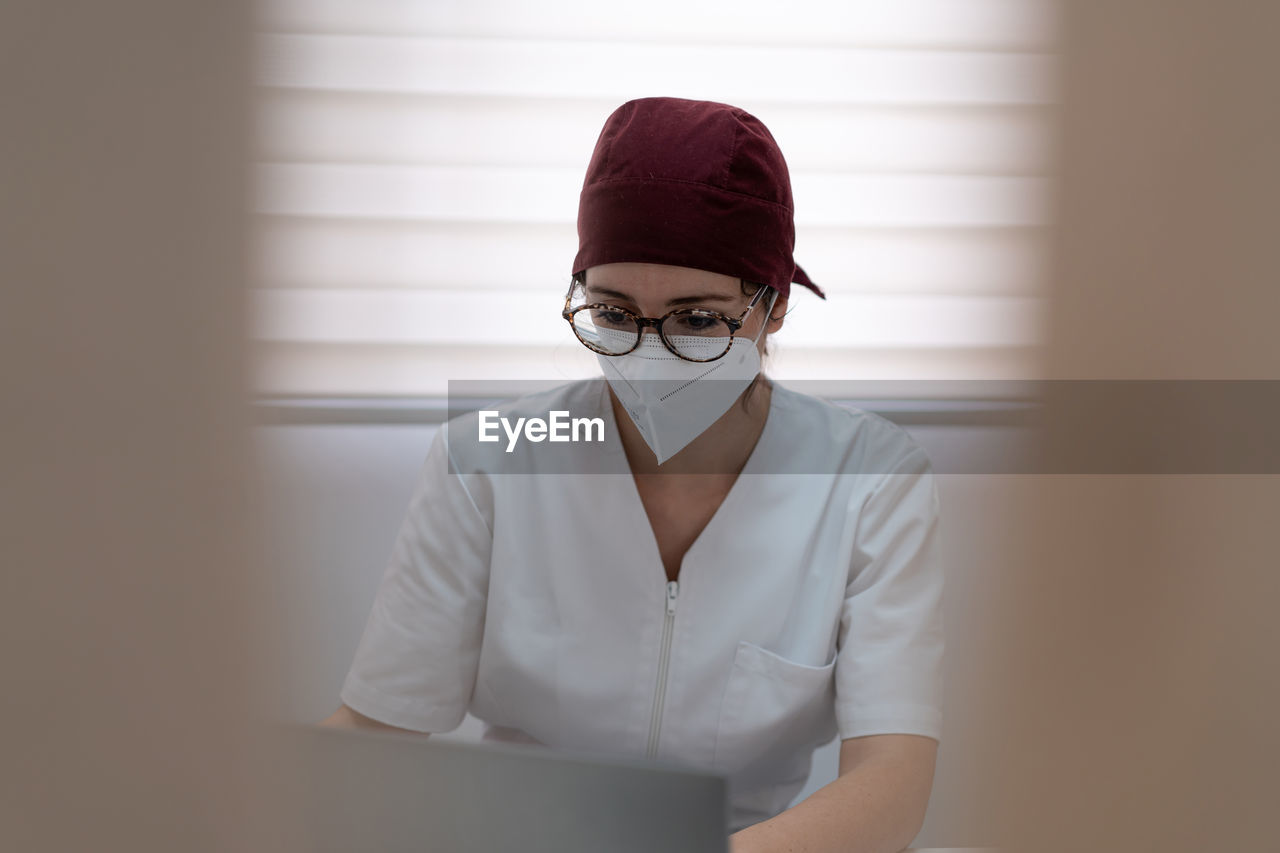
x=649, y=326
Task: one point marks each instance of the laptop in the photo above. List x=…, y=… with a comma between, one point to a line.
x=357, y=790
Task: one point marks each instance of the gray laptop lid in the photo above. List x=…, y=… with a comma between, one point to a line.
x=385, y=791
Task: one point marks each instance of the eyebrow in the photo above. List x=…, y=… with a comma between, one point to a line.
x=683, y=300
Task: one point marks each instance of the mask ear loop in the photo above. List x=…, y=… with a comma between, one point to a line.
x=768, y=315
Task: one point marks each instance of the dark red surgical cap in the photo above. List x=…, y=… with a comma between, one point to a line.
x=690, y=184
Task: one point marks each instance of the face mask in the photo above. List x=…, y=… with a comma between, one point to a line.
x=671, y=400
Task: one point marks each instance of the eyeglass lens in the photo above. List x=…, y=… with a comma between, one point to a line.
x=692, y=336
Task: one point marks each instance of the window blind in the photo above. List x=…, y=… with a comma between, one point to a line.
x=418, y=169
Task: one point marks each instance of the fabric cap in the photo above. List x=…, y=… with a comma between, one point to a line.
x=690, y=184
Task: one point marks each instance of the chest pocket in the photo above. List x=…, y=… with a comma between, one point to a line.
x=775, y=712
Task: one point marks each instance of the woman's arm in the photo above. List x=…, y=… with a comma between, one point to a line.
x=347, y=717
x=876, y=805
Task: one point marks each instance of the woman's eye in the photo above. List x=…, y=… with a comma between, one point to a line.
x=611, y=318
x=694, y=324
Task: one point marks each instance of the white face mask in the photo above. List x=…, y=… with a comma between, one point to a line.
x=671, y=400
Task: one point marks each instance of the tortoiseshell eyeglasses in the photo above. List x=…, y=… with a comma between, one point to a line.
x=694, y=334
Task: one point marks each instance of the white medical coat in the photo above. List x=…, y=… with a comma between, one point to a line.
x=810, y=605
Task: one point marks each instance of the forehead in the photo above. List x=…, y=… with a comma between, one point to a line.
x=637, y=279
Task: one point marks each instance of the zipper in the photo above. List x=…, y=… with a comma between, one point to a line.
x=655, y=724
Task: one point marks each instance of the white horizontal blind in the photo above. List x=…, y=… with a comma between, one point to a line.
x=420, y=162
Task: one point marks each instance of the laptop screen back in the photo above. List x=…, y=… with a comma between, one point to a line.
x=358, y=790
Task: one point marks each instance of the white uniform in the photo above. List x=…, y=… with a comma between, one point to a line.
x=809, y=605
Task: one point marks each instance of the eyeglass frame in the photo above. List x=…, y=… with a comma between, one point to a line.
x=642, y=323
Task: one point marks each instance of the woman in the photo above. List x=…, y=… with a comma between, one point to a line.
x=734, y=574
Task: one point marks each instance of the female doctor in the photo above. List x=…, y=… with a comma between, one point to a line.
x=733, y=574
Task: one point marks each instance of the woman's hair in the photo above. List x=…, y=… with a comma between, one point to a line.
x=749, y=288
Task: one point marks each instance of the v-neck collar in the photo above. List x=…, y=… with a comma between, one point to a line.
x=618, y=458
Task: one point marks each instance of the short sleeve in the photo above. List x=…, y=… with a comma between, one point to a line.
x=889, y=659
x=415, y=666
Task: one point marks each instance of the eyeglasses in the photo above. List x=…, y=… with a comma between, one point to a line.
x=694, y=334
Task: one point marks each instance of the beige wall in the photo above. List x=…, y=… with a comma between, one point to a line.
x=125, y=563
x=1139, y=672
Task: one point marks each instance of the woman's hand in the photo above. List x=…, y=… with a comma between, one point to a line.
x=347, y=717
